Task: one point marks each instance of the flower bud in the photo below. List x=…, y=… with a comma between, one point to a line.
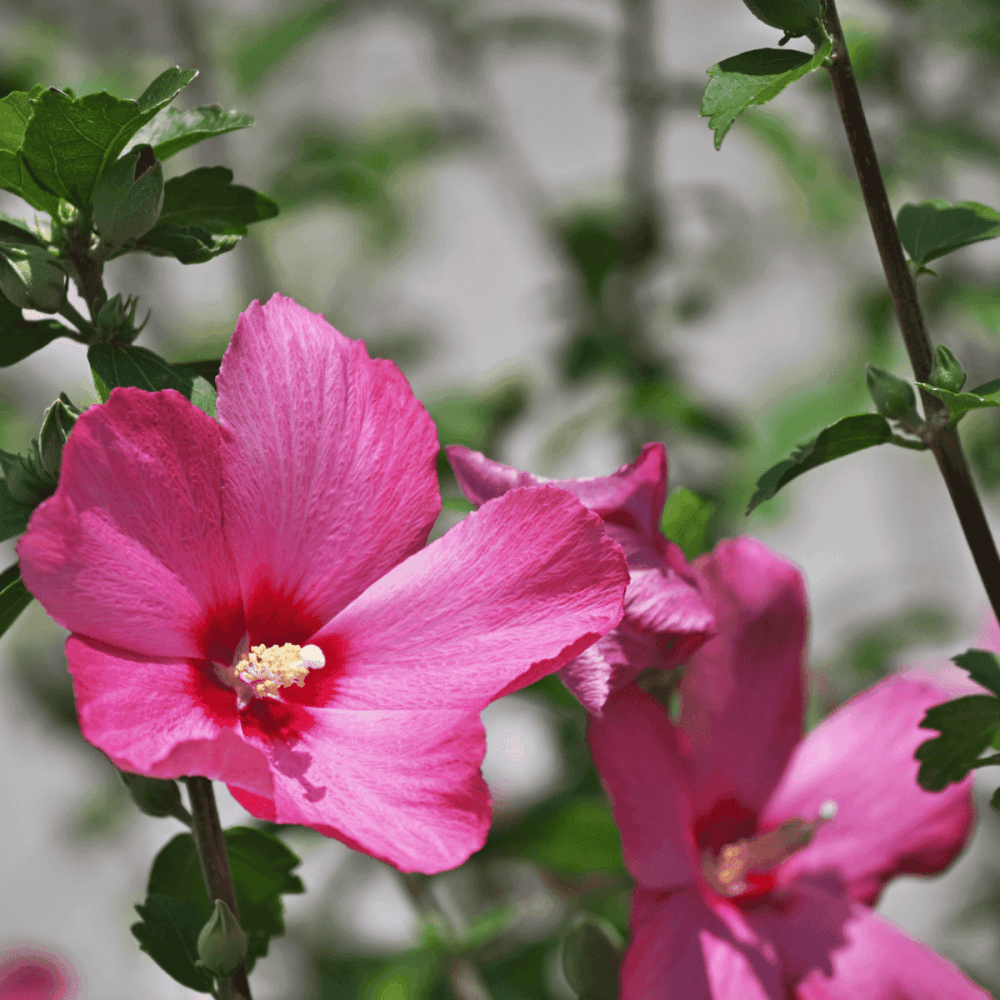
x=128, y=197
x=222, y=945
x=794, y=17
x=57, y=423
x=893, y=397
x=946, y=372
x=153, y=796
x=31, y=277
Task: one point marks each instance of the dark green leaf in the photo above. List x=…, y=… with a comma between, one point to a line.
x=14, y=596
x=137, y=366
x=685, y=521
x=13, y=514
x=842, y=438
x=753, y=77
x=591, y=958
x=70, y=141
x=168, y=933
x=20, y=337
x=961, y=402
x=983, y=667
x=173, y=129
x=189, y=244
x=207, y=197
x=967, y=725
x=936, y=227
x=262, y=872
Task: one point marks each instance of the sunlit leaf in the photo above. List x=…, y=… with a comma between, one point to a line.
x=174, y=129
x=685, y=521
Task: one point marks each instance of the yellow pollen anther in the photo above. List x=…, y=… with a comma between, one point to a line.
x=268, y=669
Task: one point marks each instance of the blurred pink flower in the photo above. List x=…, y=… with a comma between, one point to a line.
x=665, y=617
x=758, y=852
x=30, y=974
x=252, y=600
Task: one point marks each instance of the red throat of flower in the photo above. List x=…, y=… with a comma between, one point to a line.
x=262, y=671
x=731, y=872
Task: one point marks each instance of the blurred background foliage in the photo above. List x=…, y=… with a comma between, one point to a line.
x=631, y=268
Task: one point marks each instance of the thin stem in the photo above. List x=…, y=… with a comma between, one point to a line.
x=68, y=311
x=944, y=443
x=89, y=273
x=214, y=860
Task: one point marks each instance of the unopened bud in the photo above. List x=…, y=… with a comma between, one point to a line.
x=794, y=17
x=56, y=425
x=222, y=945
x=946, y=373
x=893, y=396
x=31, y=277
x=128, y=197
x=153, y=796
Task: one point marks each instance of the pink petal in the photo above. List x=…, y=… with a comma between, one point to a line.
x=510, y=594
x=329, y=459
x=635, y=750
x=836, y=950
x=684, y=949
x=742, y=695
x=129, y=550
x=160, y=718
x=27, y=973
x=861, y=757
x=404, y=787
x=632, y=497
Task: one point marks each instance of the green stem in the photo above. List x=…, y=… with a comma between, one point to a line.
x=68, y=311
x=944, y=443
x=214, y=860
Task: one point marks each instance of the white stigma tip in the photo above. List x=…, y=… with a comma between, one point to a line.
x=828, y=809
x=313, y=656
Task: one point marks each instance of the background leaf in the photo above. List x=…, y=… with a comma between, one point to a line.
x=753, y=77
x=14, y=596
x=933, y=228
x=207, y=197
x=842, y=438
x=685, y=521
x=13, y=514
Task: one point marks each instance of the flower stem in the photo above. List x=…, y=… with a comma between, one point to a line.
x=944, y=443
x=214, y=860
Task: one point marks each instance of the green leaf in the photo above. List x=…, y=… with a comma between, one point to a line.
x=685, y=521
x=207, y=197
x=15, y=111
x=14, y=177
x=960, y=403
x=933, y=228
x=842, y=438
x=13, y=514
x=591, y=954
x=189, y=244
x=70, y=141
x=983, y=667
x=173, y=129
x=168, y=933
x=262, y=872
x=14, y=596
x=137, y=366
x=967, y=725
x=753, y=77
x=20, y=337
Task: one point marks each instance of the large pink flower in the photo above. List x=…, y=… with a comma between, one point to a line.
x=665, y=617
x=251, y=600
x=759, y=853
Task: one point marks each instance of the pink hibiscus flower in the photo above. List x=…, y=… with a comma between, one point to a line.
x=759, y=852
x=252, y=600
x=666, y=619
x=30, y=974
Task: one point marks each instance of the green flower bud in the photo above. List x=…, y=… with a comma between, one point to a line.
x=946, y=372
x=31, y=277
x=128, y=197
x=222, y=945
x=57, y=423
x=153, y=796
x=893, y=396
x=794, y=17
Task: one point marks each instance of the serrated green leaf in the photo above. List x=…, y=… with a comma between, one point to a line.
x=136, y=366
x=753, y=77
x=168, y=933
x=189, y=244
x=14, y=596
x=70, y=141
x=14, y=177
x=262, y=871
x=20, y=337
x=685, y=521
x=13, y=514
x=174, y=129
x=15, y=110
x=842, y=438
x=982, y=666
x=960, y=403
x=933, y=228
x=967, y=725
x=207, y=197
